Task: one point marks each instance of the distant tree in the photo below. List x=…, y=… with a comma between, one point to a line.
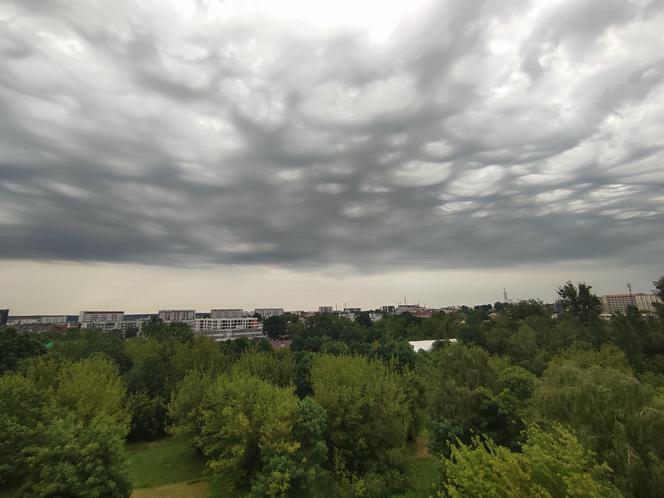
x=659, y=287
x=499, y=306
x=158, y=329
x=275, y=368
x=89, y=341
x=364, y=319
x=580, y=302
x=275, y=326
x=15, y=346
x=524, y=309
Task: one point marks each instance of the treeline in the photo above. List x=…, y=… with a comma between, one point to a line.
x=523, y=404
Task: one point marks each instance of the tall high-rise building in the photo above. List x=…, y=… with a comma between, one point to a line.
x=4, y=316
x=325, y=309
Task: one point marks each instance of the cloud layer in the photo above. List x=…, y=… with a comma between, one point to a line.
x=478, y=134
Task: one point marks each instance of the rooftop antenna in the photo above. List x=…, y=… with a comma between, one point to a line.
x=629, y=286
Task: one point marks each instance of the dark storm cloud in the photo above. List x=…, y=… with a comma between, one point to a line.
x=480, y=134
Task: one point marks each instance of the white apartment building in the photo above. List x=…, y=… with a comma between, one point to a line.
x=225, y=329
x=227, y=313
x=269, y=312
x=618, y=303
x=184, y=316
x=100, y=316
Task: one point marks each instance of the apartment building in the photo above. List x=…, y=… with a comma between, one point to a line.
x=269, y=312
x=227, y=313
x=618, y=303
x=184, y=316
x=225, y=329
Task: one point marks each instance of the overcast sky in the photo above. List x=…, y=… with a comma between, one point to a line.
x=297, y=153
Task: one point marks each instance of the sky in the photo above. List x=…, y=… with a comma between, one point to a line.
x=205, y=153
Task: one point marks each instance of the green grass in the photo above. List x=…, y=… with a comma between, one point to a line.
x=165, y=461
x=423, y=471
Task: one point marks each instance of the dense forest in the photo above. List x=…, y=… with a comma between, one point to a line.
x=523, y=403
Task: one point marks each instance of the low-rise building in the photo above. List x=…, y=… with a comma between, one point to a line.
x=325, y=309
x=227, y=313
x=269, y=312
x=618, y=303
x=184, y=316
x=100, y=316
x=224, y=329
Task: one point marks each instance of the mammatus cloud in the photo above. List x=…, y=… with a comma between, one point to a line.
x=478, y=134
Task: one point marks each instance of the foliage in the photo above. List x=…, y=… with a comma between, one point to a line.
x=276, y=368
x=156, y=328
x=89, y=388
x=579, y=301
x=14, y=346
x=551, y=464
x=367, y=413
x=612, y=412
x=78, y=459
x=21, y=421
x=148, y=417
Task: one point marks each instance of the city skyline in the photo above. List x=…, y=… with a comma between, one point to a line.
x=290, y=154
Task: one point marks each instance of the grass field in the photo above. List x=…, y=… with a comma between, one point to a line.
x=165, y=461
x=169, y=468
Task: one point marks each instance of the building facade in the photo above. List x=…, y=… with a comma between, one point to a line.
x=227, y=313
x=618, y=303
x=225, y=329
x=269, y=312
x=325, y=309
x=100, y=316
x=184, y=316
x=4, y=317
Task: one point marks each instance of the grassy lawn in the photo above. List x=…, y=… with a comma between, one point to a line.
x=165, y=461
x=178, y=490
x=424, y=471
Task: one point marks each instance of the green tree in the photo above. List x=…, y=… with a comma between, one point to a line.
x=551, y=465
x=149, y=416
x=615, y=415
x=580, y=302
x=244, y=419
x=77, y=459
x=156, y=328
x=276, y=368
x=15, y=346
x=21, y=419
x=89, y=388
x=367, y=410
